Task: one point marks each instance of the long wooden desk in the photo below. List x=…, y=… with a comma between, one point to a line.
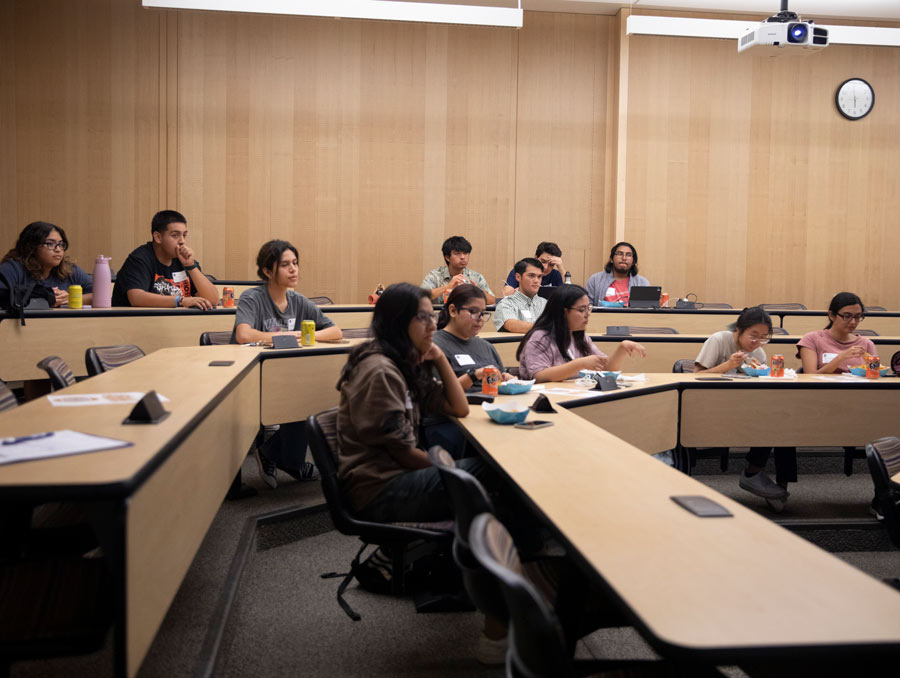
x=723, y=590
x=155, y=500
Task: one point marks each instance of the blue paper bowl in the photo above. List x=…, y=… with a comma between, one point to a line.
x=861, y=371
x=505, y=417
x=507, y=388
x=764, y=372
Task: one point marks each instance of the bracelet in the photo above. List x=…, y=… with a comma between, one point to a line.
x=178, y=299
x=191, y=267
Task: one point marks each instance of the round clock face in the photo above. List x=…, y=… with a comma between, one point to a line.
x=855, y=98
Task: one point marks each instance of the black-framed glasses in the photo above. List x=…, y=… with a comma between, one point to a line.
x=476, y=313
x=427, y=317
x=53, y=245
x=584, y=310
x=847, y=317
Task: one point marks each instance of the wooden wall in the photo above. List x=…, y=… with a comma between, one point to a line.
x=368, y=143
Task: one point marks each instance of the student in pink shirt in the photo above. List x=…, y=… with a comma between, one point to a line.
x=837, y=348
x=557, y=347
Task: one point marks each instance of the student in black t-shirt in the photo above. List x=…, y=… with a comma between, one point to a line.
x=163, y=272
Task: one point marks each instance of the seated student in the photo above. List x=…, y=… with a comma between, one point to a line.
x=163, y=272
x=386, y=386
x=267, y=310
x=614, y=283
x=455, y=271
x=459, y=323
x=557, y=347
x=40, y=255
x=517, y=312
x=552, y=268
x=275, y=308
x=837, y=348
x=726, y=351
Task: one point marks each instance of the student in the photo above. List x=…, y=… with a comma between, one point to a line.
x=163, y=273
x=552, y=268
x=517, y=312
x=614, y=283
x=726, y=351
x=557, y=347
x=40, y=255
x=836, y=348
x=455, y=271
x=386, y=386
x=459, y=323
x=275, y=308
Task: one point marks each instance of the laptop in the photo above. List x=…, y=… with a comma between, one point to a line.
x=644, y=297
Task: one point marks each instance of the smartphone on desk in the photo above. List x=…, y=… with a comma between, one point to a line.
x=533, y=425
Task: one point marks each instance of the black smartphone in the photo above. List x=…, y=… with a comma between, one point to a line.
x=221, y=363
x=532, y=425
x=478, y=398
x=713, y=378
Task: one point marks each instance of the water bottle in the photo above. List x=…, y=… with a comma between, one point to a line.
x=568, y=280
x=102, y=283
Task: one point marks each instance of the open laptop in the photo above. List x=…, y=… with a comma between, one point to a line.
x=644, y=297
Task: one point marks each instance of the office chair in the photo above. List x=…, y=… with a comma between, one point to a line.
x=683, y=366
x=867, y=333
x=7, y=398
x=321, y=432
x=883, y=456
x=58, y=371
x=356, y=333
x=789, y=306
x=713, y=304
x=215, y=338
x=321, y=301
x=633, y=329
x=99, y=359
x=779, y=330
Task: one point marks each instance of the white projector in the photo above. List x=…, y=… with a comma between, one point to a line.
x=784, y=38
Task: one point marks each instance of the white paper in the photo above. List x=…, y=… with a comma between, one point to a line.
x=633, y=377
x=84, y=399
x=59, y=444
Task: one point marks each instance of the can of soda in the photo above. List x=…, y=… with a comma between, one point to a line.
x=664, y=300
x=227, y=297
x=873, y=367
x=75, y=296
x=490, y=381
x=777, y=365
x=308, y=332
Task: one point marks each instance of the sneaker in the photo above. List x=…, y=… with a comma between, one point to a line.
x=761, y=485
x=307, y=471
x=875, y=509
x=491, y=652
x=266, y=468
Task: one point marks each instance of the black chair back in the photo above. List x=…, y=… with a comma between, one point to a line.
x=633, y=329
x=713, y=304
x=867, y=333
x=883, y=456
x=779, y=330
x=789, y=306
x=7, y=398
x=683, y=366
x=99, y=359
x=215, y=338
x=59, y=372
x=321, y=301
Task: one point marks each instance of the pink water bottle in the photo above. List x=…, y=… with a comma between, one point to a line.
x=102, y=283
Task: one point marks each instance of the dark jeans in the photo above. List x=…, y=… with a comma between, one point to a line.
x=785, y=462
x=419, y=496
x=441, y=431
x=287, y=448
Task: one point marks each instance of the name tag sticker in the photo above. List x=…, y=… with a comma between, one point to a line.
x=527, y=315
x=463, y=359
x=179, y=276
x=408, y=401
x=828, y=357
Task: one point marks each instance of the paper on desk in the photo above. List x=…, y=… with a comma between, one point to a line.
x=59, y=444
x=82, y=399
x=632, y=377
x=840, y=377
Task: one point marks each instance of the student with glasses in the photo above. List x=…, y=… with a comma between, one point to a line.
x=557, y=347
x=459, y=323
x=837, y=348
x=40, y=255
x=726, y=351
x=613, y=284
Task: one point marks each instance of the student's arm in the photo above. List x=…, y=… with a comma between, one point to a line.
x=87, y=299
x=734, y=361
x=626, y=349
x=809, y=359
x=489, y=298
x=455, y=403
x=205, y=289
x=507, y=290
x=332, y=333
x=245, y=334
x=571, y=368
x=517, y=326
x=138, y=297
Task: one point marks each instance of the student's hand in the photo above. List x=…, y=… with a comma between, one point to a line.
x=556, y=262
x=433, y=354
x=508, y=291
x=593, y=362
x=196, y=302
x=185, y=255
x=633, y=348
x=506, y=376
x=854, y=352
x=62, y=297
x=457, y=280
x=736, y=360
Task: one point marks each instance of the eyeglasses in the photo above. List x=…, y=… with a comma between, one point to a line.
x=847, y=317
x=427, y=317
x=55, y=245
x=624, y=255
x=476, y=313
x=762, y=341
x=585, y=310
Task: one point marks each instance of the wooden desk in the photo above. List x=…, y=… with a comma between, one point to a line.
x=675, y=573
x=156, y=499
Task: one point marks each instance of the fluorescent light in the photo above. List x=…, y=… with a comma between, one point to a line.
x=638, y=24
x=388, y=10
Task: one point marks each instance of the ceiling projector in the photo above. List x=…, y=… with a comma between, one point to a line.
x=784, y=34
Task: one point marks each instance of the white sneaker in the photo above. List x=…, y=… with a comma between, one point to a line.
x=491, y=652
x=761, y=485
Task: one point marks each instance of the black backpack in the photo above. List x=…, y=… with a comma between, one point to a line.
x=16, y=298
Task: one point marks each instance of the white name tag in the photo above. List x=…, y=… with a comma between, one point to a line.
x=179, y=276
x=611, y=292
x=408, y=401
x=828, y=357
x=527, y=315
x=290, y=324
x=463, y=359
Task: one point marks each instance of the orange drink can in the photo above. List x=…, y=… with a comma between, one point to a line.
x=227, y=297
x=664, y=300
x=777, y=365
x=490, y=381
x=873, y=367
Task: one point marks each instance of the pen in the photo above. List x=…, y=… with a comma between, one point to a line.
x=23, y=439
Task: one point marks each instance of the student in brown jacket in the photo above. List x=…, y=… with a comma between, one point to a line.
x=386, y=386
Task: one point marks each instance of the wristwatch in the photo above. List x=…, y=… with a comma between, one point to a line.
x=191, y=267
x=471, y=375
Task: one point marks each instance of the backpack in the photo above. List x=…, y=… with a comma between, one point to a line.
x=16, y=298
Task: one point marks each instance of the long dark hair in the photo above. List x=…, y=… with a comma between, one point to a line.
x=26, y=248
x=840, y=300
x=553, y=320
x=269, y=257
x=458, y=297
x=609, y=265
x=396, y=307
x=753, y=315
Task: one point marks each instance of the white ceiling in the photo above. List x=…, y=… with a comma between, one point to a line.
x=887, y=10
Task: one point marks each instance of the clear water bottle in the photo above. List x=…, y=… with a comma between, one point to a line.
x=102, y=283
x=568, y=280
